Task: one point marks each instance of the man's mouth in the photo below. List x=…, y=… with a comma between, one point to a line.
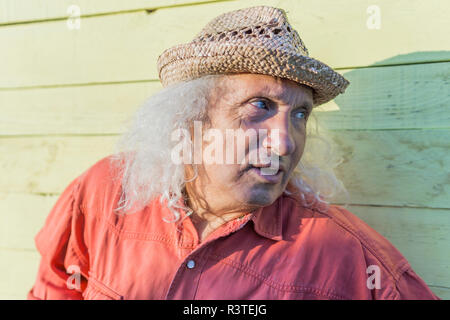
x=265, y=173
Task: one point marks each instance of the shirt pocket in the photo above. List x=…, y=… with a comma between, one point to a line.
x=97, y=290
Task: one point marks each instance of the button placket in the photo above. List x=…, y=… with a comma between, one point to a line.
x=184, y=284
x=191, y=276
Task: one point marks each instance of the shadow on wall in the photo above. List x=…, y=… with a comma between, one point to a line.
x=393, y=126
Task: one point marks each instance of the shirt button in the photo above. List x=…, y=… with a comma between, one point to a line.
x=191, y=264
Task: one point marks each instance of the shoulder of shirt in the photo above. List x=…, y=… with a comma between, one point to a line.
x=370, y=240
x=97, y=184
x=99, y=173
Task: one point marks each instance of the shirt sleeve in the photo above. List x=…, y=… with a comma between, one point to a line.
x=63, y=268
x=411, y=287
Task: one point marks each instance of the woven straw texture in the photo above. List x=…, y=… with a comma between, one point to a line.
x=251, y=40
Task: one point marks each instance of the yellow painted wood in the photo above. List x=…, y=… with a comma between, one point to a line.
x=406, y=96
x=97, y=109
x=125, y=47
x=47, y=165
x=19, y=269
x=421, y=235
x=397, y=167
x=21, y=11
x=21, y=218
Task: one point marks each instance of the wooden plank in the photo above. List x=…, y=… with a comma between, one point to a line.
x=47, y=165
x=441, y=292
x=23, y=215
x=125, y=47
x=18, y=269
x=394, y=97
x=23, y=11
x=97, y=109
x=394, y=167
x=406, y=96
x=421, y=235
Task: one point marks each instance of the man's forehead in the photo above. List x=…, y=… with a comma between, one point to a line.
x=279, y=90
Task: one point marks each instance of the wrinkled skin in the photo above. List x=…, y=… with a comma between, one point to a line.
x=223, y=192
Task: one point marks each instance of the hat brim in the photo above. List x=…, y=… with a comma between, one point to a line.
x=189, y=61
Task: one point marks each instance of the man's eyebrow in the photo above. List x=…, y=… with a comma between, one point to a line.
x=304, y=104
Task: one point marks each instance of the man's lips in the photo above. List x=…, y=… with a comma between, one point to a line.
x=267, y=176
x=271, y=177
x=259, y=166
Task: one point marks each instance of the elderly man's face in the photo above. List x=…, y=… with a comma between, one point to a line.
x=253, y=101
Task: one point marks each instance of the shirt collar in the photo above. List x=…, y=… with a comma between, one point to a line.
x=268, y=221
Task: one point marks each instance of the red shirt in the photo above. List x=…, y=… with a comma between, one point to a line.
x=282, y=251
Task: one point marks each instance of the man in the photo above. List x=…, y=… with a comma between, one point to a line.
x=207, y=196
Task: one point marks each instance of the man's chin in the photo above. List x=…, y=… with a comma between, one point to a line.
x=262, y=197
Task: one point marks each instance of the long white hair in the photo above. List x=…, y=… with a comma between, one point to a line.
x=143, y=152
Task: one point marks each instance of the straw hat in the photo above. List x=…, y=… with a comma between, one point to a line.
x=251, y=40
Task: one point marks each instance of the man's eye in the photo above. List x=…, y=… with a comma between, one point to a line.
x=300, y=115
x=260, y=104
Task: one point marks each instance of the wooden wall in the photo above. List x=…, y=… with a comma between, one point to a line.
x=65, y=93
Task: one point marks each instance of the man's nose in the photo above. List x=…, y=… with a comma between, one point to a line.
x=279, y=137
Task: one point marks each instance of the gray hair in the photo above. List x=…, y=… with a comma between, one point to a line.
x=143, y=152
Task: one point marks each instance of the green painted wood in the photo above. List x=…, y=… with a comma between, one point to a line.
x=125, y=47
x=441, y=292
x=395, y=97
